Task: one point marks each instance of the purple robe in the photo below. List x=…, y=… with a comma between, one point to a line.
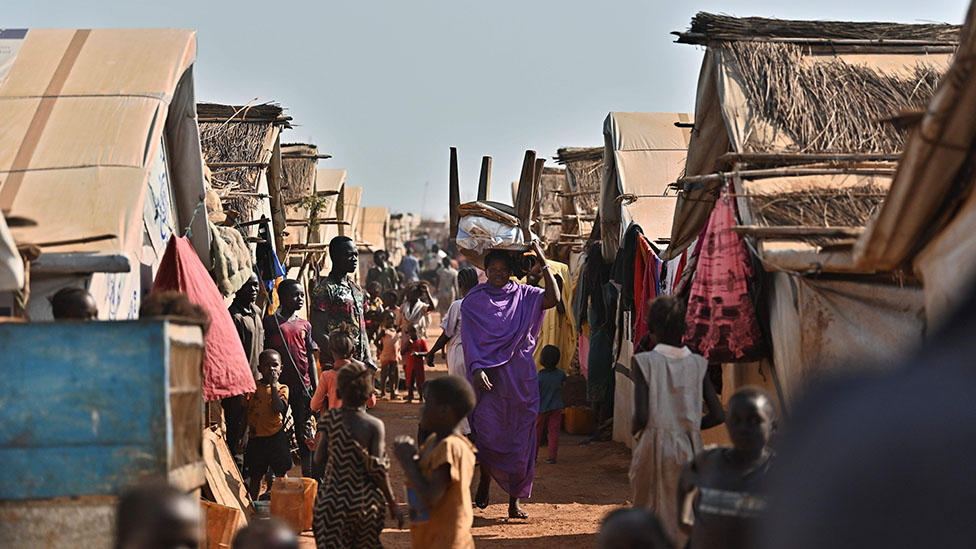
x=499, y=329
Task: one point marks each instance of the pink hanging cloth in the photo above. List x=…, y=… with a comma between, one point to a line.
x=226, y=371
x=722, y=323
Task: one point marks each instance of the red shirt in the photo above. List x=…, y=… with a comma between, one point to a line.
x=411, y=361
x=297, y=339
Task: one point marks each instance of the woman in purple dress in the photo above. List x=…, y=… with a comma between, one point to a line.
x=500, y=323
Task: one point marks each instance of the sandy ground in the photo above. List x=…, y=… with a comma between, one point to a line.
x=569, y=498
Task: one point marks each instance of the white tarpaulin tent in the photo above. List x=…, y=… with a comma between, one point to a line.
x=11, y=266
x=99, y=147
x=648, y=154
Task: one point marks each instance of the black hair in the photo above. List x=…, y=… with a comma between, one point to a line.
x=374, y=284
x=446, y=262
x=145, y=506
x=341, y=342
x=388, y=316
x=749, y=393
x=286, y=284
x=64, y=298
x=335, y=243
x=391, y=294
x=549, y=357
x=259, y=533
x=376, y=253
x=666, y=319
x=355, y=383
x=467, y=278
x=500, y=255
x=453, y=391
x=632, y=527
x=175, y=304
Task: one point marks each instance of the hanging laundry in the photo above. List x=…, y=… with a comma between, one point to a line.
x=722, y=323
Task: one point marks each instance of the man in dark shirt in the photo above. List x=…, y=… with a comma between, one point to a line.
x=247, y=320
x=382, y=272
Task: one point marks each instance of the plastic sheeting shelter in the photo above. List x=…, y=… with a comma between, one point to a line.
x=372, y=228
x=648, y=154
x=99, y=147
x=934, y=173
x=741, y=139
x=732, y=130
x=820, y=327
x=11, y=266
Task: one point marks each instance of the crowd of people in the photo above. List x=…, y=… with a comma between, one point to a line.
x=501, y=397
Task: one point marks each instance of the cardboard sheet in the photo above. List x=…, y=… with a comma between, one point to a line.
x=223, y=478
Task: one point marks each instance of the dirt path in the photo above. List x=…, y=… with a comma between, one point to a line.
x=569, y=498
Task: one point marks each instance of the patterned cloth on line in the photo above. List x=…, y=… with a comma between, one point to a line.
x=349, y=506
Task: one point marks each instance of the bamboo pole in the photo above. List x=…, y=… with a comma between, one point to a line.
x=799, y=158
x=688, y=182
x=794, y=231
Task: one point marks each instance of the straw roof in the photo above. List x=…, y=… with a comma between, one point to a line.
x=829, y=105
x=298, y=162
x=706, y=27
x=238, y=134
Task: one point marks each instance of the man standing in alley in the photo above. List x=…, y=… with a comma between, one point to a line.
x=410, y=266
x=382, y=272
x=338, y=301
x=247, y=319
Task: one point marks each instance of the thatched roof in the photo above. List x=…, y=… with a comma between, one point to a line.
x=566, y=155
x=298, y=163
x=235, y=141
x=829, y=105
x=709, y=27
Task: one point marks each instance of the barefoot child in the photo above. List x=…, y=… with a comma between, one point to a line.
x=551, y=381
x=350, y=501
x=267, y=445
x=669, y=383
x=388, y=344
x=343, y=347
x=730, y=496
x=439, y=473
x=414, y=352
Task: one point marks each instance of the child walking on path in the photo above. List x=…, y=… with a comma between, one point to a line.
x=267, y=445
x=326, y=395
x=388, y=344
x=551, y=381
x=730, y=481
x=439, y=473
x=414, y=353
x=349, y=506
x=669, y=383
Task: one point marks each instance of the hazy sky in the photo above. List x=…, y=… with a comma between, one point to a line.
x=387, y=87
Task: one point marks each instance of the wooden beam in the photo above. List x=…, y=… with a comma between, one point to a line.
x=484, y=182
x=687, y=183
x=454, y=199
x=797, y=231
x=237, y=164
x=776, y=158
x=523, y=200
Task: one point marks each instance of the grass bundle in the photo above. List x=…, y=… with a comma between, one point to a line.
x=723, y=27
x=829, y=106
x=831, y=207
x=298, y=167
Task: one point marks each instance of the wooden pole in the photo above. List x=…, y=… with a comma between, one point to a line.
x=455, y=194
x=795, y=231
x=484, y=183
x=799, y=158
x=523, y=199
